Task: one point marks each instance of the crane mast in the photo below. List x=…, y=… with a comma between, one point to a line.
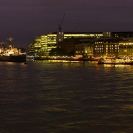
x=60, y=24
x=77, y=26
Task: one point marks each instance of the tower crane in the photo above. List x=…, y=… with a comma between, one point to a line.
x=60, y=24
x=77, y=26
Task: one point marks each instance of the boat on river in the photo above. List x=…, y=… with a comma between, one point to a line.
x=115, y=61
x=11, y=54
x=12, y=58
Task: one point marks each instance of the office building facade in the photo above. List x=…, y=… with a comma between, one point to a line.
x=43, y=44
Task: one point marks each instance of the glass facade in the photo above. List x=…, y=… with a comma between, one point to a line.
x=45, y=43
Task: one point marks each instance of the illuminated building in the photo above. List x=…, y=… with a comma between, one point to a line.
x=106, y=47
x=84, y=48
x=91, y=47
x=126, y=47
x=45, y=43
x=103, y=44
x=122, y=34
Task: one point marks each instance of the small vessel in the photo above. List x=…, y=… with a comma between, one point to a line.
x=115, y=61
x=11, y=54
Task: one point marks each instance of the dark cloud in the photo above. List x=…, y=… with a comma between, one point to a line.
x=24, y=19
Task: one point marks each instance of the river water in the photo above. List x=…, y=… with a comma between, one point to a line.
x=65, y=97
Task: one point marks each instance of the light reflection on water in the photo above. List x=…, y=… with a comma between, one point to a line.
x=46, y=97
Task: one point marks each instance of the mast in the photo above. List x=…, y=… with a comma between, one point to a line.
x=10, y=45
x=2, y=44
x=60, y=24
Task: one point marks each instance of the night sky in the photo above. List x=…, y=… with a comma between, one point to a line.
x=25, y=19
